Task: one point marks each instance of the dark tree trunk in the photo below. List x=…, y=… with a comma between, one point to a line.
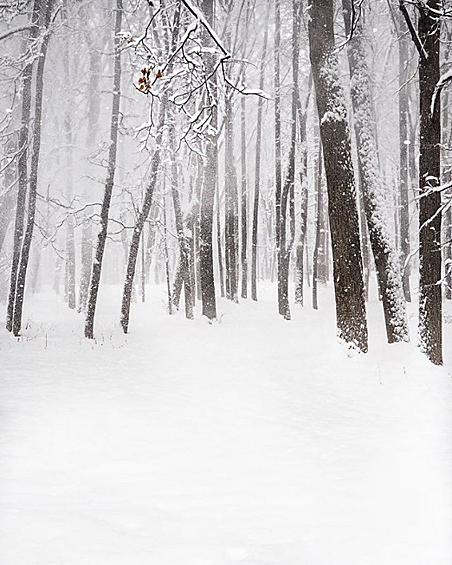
x=22, y=165
x=142, y=217
x=343, y=214
x=102, y=236
x=209, y=307
x=430, y=307
x=373, y=192
x=33, y=186
x=288, y=191
x=184, y=249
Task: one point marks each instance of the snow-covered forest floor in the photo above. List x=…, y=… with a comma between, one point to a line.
x=253, y=441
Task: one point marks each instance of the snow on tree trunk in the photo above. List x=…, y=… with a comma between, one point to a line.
x=33, y=182
x=373, y=187
x=142, y=217
x=22, y=165
x=244, y=196
x=209, y=307
x=404, y=165
x=430, y=306
x=343, y=214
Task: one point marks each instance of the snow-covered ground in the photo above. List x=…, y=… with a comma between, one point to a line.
x=251, y=441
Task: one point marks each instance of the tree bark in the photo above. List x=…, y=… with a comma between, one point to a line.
x=142, y=217
x=299, y=269
x=343, y=214
x=318, y=229
x=22, y=165
x=33, y=186
x=244, y=195
x=430, y=306
x=209, y=307
x=231, y=203
x=373, y=190
x=404, y=164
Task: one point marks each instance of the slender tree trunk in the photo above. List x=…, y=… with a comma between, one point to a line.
x=302, y=117
x=209, y=307
x=280, y=218
x=219, y=247
x=184, y=250
x=22, y=165
x=404, y=166
x=102, y=236
x=244, y=200
x=430, y=307
x=165, y=248
x=288, y=191
x=447, y=220
x=142, y=217
x=257, y=166
x=93, y=115
x=231, y=203
x=318, y=230
x=28, y=236
x=343, y=214
x=373, y=190
x=67, y=127
x=9, y=189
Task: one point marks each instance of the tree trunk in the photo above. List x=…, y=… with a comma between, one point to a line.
x=430, y=307
x=257, y=167
x=244, y=195
x=343, y=214
x=9, y=192
x=280, y=218
x=142, y=217
x=318, y=229
x=22, y=165
x=231, y=203
x=102, y=236
x=26, y=246
x=184, y=250
x=447, y=219
x=209, y=307
x=93, y=116
x=373, y=189
x=404, y=166
x=299, y=269
x=70, y=226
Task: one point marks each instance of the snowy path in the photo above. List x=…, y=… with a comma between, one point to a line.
x=254, y=441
